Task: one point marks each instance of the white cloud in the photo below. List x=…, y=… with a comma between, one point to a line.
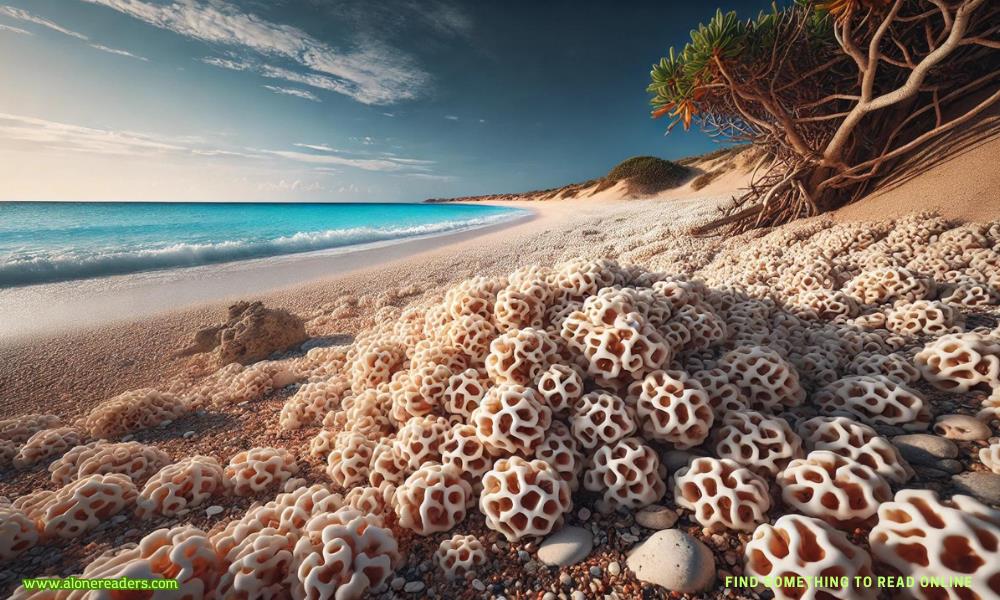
x=119, y=52
x=23, y=15
x=14, y=29
x=389, y=114
x=317, y=147
x=367, y=164
x=371, y=74
x=451, y=117
x=285, y=185
x=305, y=94
x=431, y=176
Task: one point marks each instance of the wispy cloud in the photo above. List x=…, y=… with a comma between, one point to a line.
x=451, y=117
x=23, y=15
x=103, y=48
x=317, y=147
x=371, y=73
x=304, y=94
x=14, y=29
x=367, y=164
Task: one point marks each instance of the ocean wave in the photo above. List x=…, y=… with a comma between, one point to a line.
x=28, y=270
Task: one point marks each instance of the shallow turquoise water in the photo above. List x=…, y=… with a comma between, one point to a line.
x=58, y=241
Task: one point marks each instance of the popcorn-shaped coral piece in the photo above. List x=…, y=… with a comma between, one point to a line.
x=342, y=555
x=82, y=505
x=511, y=419
x=47, y=443
x=601, y=418
x=923, y=317
x=524, y=498
x=388, y=464
x=561, y=450
x=763, y=444
x=722, y=494
x=185, y=484
x=376, y=364
x=824, y=304
x=417, y=392
x=520, y=356
x=464, y=450
x=19, y=429
x=895, y=366
x=136, y=460
x=561, y=387
x=134, y=411
x=433, y=499
x=628, y=474
x=372, y=500
x=464, y=392
x=18, y=532
x=875, y=399
x=521, y=305
x=578, y=279
x=674, y=408
x=349, y=462
x=858, y=442
x=797, y=546
x=888, y=284
x=472, y=335
x=961, y=362
x=259, y=567
x=257, y=469
x=419, y=441
x=474, y=296
x=322, y=444
x=832, y=487
x=766, y=380
x=723, y=396
x=312, y=402
x=990, y=457
x=459, y=555
x=919, y=535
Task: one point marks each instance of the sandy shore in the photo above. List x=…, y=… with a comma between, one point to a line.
x=94, y=356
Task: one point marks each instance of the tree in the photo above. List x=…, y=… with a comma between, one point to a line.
x=835, y=92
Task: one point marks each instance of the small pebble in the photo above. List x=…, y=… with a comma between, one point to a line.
x=925, y=449
x=614, y=568
x=596, y=571
x=412, y=587
x=213, y=510
x=983, y=486
x=656, y=517
x=578, y=595
x=397, y=583
x=584, y=513
x=188, y=435
x=479, y=586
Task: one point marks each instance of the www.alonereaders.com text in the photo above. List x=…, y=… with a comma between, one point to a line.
x=81, y=583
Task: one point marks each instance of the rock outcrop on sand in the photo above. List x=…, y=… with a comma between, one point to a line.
x=250, y=333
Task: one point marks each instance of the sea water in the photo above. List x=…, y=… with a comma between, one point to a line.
x=45, y=242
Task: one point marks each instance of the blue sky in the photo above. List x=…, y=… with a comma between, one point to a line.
x=320, y=100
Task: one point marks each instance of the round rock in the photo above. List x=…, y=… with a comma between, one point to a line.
x=675, y=459
x=962, y=427
x=656, y=516
x=924, y=449
x=674, y=560
x=565, y=547
x=984, y=487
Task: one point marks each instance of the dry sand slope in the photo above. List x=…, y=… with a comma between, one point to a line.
x=791, y=364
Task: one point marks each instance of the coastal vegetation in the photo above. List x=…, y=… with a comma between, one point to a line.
x=836, y=93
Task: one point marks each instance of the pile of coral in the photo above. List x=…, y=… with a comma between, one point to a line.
x=783, y=367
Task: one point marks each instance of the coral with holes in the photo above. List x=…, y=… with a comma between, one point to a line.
x=133, y=411
x=521, y=356
x=511, y=419
x=763, y=444
x=600, y=418
x=627, y=474
x=343, y=555
x=723, y=396
x=962, y=362
x=136, y=460
x=894, y=365
x=802, y=547
x=433, y=499
x=722, y=494
x=990, y=457
x=258, y=469
x=19, y=429
x=858, y=442
x=46, y=444
x=321, y=445
x=260, y=566
x=673, y=408
x=375, y=364
x=524, y=498
x=824, y=304
x=418, y=392
x=463, y=449
x=832, y=487
x=79, y=506
x=561, y=387
x=18, y=532
x=349, y=461
x=924, y=317
x=561, y=450
x=419, y=441
x=464, y=392
x=522, y=304
x=460, y=555
x=888, y=284
x=367, y=413
x=388, y=464
x=875, y=400
x=475, y=296
x=765, y=379
x=312, y=402
x=919, y=535
x=185, y=484
x=372, y=500
x=183, y=553
x=472, y=335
